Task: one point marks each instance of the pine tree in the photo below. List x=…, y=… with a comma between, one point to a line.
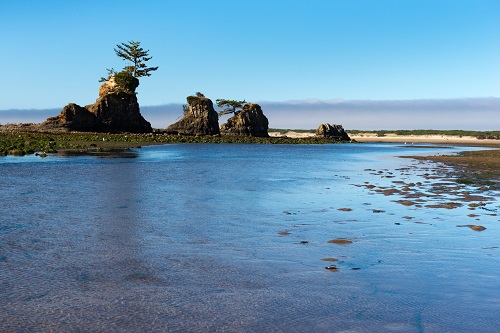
x=229, y=105
x=137, y=56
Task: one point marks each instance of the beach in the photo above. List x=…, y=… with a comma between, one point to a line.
x=439, y=139
x=372, y=137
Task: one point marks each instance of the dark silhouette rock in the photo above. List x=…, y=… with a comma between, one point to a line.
x=119, y=112
x=332, y=131
x=250, y=121
x=200, y=118
x=73, y=117
x=116, y=110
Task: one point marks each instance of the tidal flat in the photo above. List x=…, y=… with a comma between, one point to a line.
x=223, y=237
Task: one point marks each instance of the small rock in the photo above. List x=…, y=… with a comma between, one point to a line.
x=476, y=227
x=340, y=241
x=332, y=268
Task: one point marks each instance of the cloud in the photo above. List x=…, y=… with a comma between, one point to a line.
x=466, y=113
x=161, y=116
x=15, y=116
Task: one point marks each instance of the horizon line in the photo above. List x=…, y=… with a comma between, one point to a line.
x=304, y=101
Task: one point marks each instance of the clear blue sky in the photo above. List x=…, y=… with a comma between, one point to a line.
x=53, y=52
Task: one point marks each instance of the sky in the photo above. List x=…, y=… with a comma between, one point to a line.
x=305, y=53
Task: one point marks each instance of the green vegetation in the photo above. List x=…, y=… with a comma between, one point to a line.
x=24, y=143
x=111, y=72
x=193, y=99
x=479, y=168
x=127, y=78
x=284, y=130
x=229, y=106
x=476, y=134
x=126, y=81
x=20, y=144
x=137, y=56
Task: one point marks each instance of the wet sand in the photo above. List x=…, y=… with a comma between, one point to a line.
x=473, y=167
x=469, y=179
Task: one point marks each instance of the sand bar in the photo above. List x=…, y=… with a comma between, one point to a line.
x=409, y=139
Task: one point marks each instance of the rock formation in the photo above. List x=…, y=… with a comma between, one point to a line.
x=116, y=110
x=119, y=112
x=108, y=87
x=332, y=131
x=73, y=117
x=250, y=121
x=200, y=118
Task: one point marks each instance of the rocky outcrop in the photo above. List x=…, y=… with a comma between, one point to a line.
x=250, y=121
x=108, y=87
x=116, y=110
x=200, y=118
x=119, y=112
x=332, y=131
x=73, y=117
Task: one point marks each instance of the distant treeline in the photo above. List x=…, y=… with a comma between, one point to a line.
x=477, y=134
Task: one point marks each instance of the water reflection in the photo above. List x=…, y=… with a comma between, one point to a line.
x=109, y=153
x=119, y=222
x=232, y=237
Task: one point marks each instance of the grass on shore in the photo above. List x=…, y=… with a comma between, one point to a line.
x=283, y=131
x=21, y=143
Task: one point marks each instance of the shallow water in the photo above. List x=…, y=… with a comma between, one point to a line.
x=231, y=238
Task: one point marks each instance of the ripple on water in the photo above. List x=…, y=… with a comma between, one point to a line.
x=237, y=238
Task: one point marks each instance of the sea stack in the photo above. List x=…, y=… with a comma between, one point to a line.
x=332, y=131
x=250, y=121
x=116, y=110
x=200, y=118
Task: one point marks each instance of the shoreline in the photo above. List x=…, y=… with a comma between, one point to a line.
x=408, y=139
x=439, y=139
x=479, y=167
x=19, y=142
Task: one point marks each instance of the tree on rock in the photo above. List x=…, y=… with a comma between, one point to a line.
x=229, y=106
x=132, y=52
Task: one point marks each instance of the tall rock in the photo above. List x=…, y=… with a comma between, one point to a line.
x=116, y=110
x=332, y=131
x=250, y=121
x=200, y=118
x=119, y=112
